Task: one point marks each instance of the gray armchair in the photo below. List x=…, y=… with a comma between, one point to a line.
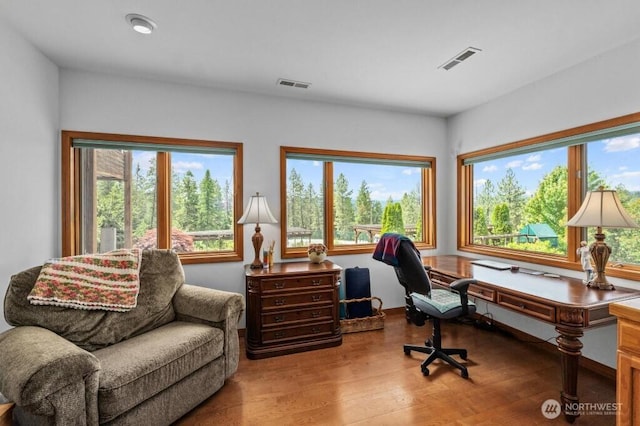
x=150, y=365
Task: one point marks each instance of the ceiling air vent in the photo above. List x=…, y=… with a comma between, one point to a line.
x=293, y=83
x=462, y=56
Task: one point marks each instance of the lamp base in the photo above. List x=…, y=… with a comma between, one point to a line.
x=600, y=252
x=257, y=240
x=600, y=285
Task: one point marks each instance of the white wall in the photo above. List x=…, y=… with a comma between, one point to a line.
x=102, y=103
x=29, y=217
x=599, y=89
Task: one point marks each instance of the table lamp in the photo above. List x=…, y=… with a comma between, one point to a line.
x=601, y=208
x=257, y=212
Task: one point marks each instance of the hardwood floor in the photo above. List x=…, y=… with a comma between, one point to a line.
x=369, y=381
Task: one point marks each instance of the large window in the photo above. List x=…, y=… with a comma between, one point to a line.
x=515, y=199
x=133, y=191
x=346, y=200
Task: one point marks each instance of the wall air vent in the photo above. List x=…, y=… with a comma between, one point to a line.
x=462, y=56
x=293, y=83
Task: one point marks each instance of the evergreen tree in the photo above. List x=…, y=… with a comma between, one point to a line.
x=343, y=209
x=513, y=195
x=376, y=211
x=392, y=219
x=411, y=211
x=210, y=204
x=314, y=212
x=186, y=200
x=501, y=220
x=486, y=198
x=364, y=205
x=295, y=194
x=480, y=226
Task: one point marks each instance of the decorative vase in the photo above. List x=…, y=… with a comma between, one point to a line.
x=317, y=257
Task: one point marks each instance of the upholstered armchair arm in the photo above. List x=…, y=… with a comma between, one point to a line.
x=461, y=286
x=221, y=309
x=48, y=377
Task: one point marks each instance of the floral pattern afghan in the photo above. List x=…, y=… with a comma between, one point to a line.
x=107, y=281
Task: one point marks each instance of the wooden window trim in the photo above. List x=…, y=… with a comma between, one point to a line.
x=71, y=198
x=428, y=182
x=576, y=168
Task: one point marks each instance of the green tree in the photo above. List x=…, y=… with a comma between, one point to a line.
x=186, y=200
x=486, y=198
x=313, y=207
x=110, y=207
x=392, y=219
x=501, y=219
x=210, y=204
x=512, y=194
x=376, y=211
x=295, y=194
x=364, y=205
x=480, y=225
x=549, y=203
x=411, y=211
x=344, y=214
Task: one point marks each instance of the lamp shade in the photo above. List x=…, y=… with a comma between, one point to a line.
x=257, y=211
x=602, y=208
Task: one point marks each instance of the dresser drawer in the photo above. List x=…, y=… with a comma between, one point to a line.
x=287, y=317
x=528, y=307
x=279, y=301
x=275, y=335
x=482, y=292
x=301, y=283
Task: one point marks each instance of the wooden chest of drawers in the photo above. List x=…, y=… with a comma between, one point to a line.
x=292, y=307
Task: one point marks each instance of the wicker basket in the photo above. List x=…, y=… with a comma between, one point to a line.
x=374, y=322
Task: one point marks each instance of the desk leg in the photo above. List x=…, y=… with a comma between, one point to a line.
x=569, y=345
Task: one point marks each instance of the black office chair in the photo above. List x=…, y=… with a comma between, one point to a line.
x=424, y=302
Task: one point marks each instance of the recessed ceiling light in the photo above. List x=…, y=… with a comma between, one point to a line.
x=141, y=24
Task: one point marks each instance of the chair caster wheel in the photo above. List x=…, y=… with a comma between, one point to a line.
x=463, y=355
x=407, y=351
x=464, y=374
x=425, y=372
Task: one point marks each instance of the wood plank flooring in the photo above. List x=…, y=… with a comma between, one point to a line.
x=369, y=381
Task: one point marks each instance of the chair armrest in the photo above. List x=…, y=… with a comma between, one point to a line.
x=217, y=308
x=461, y=286
x=47, y=375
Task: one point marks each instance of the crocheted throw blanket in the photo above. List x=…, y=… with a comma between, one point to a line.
x=108, y=281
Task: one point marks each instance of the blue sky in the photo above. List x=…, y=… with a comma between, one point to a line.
x=220, y=166
x=383, y=181
x=616, y=160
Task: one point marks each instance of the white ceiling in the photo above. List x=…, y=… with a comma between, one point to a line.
x=379, y=53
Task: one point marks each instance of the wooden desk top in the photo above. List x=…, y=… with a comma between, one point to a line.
x=565, y=291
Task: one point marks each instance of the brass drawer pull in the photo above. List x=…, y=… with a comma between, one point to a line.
x=316, y=330
x=279, y=334
x=279, y=302
x=316, y=282
x=316, y=297
x=279, y=318
x=315, y=314
x=279, y=285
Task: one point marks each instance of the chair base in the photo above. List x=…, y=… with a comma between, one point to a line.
x=435, y=351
